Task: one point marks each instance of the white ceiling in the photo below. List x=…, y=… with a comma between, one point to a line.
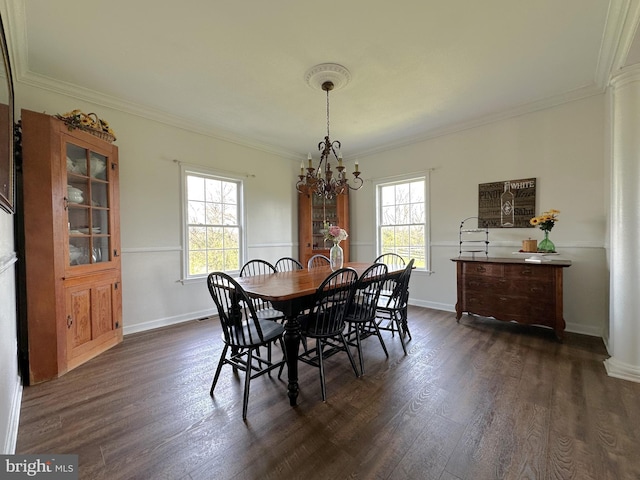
x=235, y=69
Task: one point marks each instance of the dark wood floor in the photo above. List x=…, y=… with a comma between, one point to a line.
x=477, y=400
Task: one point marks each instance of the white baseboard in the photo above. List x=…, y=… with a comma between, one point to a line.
x=10, y=441
x=625, y=371
x=166, y=321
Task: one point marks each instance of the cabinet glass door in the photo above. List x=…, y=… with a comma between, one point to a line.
x=322, y=210
x=87, y=202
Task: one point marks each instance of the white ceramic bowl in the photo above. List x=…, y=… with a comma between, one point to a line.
x=74, y=194
x=97, y=167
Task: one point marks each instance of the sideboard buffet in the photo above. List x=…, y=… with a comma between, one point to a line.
x=512, y=289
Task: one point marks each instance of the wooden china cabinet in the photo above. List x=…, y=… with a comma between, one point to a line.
x=71, y=245
x=313, y=211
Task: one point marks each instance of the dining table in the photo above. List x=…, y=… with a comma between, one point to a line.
x=291, y=293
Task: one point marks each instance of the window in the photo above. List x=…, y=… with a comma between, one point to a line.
x=213, y=223
x=402, y=219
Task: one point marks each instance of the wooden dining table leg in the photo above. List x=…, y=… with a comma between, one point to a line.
x=292, y=308
x=291, y=345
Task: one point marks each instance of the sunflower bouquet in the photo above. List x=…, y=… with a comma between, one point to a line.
x=546, y=221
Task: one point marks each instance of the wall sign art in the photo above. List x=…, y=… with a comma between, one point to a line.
x=507, y=203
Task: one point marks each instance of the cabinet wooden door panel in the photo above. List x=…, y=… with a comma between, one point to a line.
x=78, y=318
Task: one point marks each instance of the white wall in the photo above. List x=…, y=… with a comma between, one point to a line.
x=10, y=385
x=563, y=147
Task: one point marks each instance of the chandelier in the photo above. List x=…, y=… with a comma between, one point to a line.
x=323, y=181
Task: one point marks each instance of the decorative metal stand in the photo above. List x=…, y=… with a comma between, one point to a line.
x=473, y=240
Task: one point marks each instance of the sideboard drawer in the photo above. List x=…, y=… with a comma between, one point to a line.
x=484, y=269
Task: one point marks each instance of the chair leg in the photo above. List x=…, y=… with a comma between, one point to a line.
x=405, y=325
x=384, y=347
x=346, y=347
x=400, y=335
x=284, y=354
x=247, y=381
x=217, y=374
x=269, y=358
x=359, y=347
x=321, y=365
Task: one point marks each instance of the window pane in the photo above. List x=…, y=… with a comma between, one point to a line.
x=402, y=194
x=388, y=215
x=197, y=263
x=417, y=192
x=230, y=215
x=231, y=238
x=388, y=195
x=230, y=193
x=214, y=238
x=196, y=213
x=214, y=190
x=214, y=214
x=197, y=238
x=232, y=260
x=402, y=214
x=195, y=188
x=417, y=213
x=215, y=260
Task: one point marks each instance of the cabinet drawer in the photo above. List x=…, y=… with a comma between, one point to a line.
x=528, y=271
x=511, y=307
x=484, y=269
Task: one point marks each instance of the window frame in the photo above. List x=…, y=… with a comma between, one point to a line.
x=198, y=171
x=400, y=180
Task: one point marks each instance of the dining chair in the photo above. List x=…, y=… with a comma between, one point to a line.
x=243, y=332
x=318, y=261
x=361, y=311
x=256, y=266
x=390, y=259
x=391, y=312
x=263, y=308
x=288, y=264
x=326, y=321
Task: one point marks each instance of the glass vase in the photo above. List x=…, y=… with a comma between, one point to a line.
x=336, y=255
x=546, y=245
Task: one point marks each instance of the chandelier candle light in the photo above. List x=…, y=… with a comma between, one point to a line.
x=321, y=180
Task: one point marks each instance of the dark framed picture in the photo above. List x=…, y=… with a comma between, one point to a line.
x=507, y=203
x=7, y=176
